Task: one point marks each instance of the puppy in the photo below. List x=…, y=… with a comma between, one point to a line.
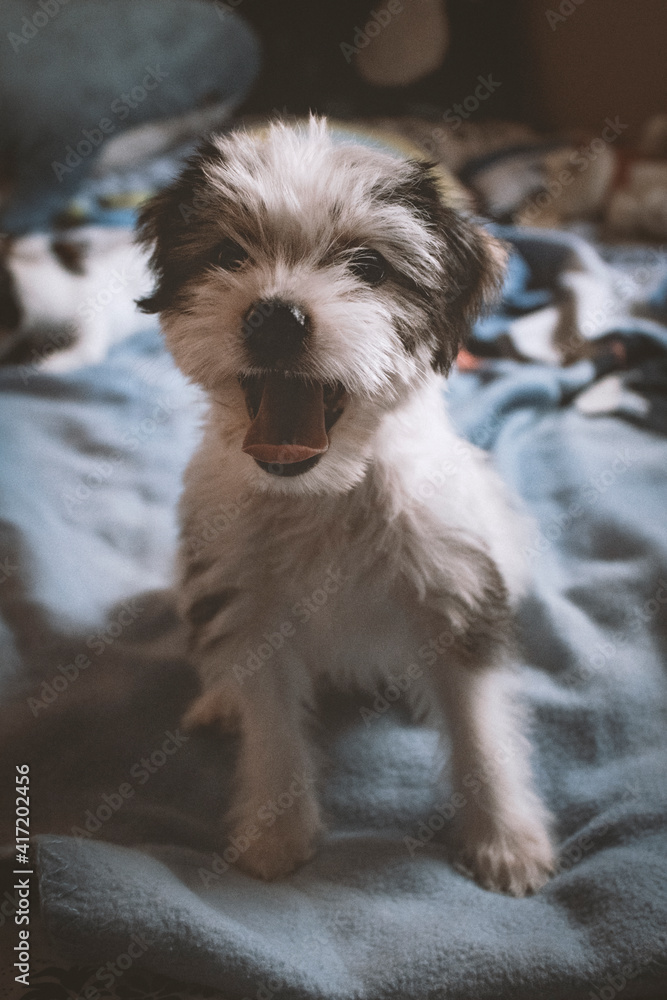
x=318, y=291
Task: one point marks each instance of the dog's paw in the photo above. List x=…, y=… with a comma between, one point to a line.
x=281, y=848
x=517, y=862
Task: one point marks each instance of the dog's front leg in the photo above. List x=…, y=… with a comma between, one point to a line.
x=503, y=826
x=274, y=819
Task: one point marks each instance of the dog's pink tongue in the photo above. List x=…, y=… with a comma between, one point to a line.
x=289, y=426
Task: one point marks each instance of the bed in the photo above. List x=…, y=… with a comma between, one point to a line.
x=133, y=895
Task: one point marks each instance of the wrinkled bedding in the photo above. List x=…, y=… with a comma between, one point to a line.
x=94, y=681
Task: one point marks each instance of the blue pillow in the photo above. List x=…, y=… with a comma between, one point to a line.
x=75, y=72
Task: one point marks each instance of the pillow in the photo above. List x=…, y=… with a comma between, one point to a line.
x=74, y=73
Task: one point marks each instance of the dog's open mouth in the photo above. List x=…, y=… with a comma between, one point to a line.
x=291, y=419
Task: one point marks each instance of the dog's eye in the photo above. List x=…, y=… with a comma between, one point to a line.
x=229, y=255
x=369, y=265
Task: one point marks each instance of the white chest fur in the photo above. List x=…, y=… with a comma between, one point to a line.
x=355, y=583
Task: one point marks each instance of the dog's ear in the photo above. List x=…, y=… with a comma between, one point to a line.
x=160, y=227
x=478, y=262
x=155, y=220
x=473, y=264
x=165, y=227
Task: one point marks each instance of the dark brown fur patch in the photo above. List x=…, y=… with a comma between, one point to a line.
x=170, y=224
x=490, y=623
x=472, y=265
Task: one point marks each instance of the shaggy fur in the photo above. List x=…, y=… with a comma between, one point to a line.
x=334, y=272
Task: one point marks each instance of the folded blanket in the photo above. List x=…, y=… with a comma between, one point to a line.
x=125, y=804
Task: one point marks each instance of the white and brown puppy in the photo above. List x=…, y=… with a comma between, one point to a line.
x=318, y=291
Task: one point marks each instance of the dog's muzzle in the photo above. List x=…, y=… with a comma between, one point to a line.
x=291, y=419
x=291, y=415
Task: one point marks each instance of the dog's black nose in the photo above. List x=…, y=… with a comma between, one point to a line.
x=275, y=331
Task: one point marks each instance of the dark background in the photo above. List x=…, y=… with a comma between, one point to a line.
x=599, y=58
x=305, y=67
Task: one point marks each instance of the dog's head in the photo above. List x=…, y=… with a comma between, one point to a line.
x=310, y=287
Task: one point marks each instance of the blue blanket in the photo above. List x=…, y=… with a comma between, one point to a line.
x=95, y=679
